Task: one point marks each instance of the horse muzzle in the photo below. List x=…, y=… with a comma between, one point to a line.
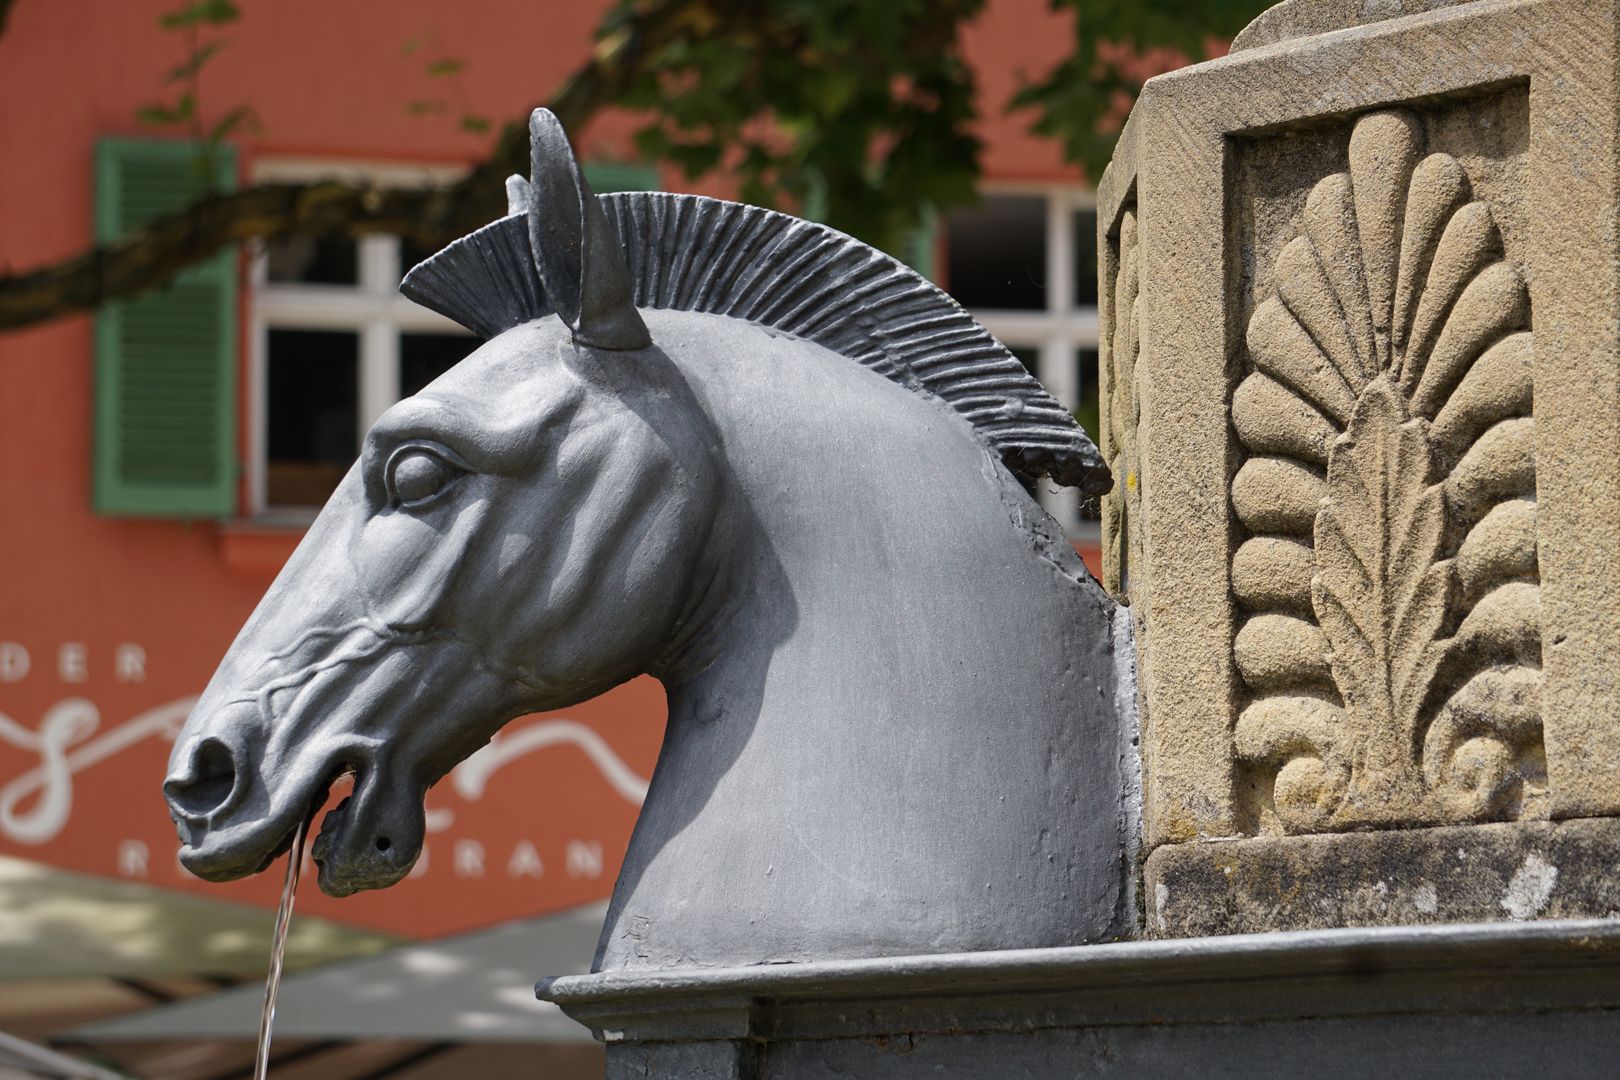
x=237, y=798
x=231, y=821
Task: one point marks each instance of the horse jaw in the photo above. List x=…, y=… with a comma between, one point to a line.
x=371, y=839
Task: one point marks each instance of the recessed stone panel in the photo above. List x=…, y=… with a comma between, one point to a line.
x=1364, y=401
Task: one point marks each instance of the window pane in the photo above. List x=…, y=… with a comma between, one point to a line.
x=1088, y=411
x=313, y=400
x=305, y=260
x=1089, y=414
x=996, y=253
x=424, y=357
x=1085, y=258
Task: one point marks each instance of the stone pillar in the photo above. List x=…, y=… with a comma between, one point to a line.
x=1362, y=398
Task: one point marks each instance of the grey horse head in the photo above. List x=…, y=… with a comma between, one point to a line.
x=393, y=643
x=627, y=478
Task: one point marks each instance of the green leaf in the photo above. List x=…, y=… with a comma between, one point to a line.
x=195, y=61
x=876, y=99
x=158, y=114
x=1117, y=45
x=422, y=107
x=239, y=117
x=155, y=115
x=476, y=124
x=446, y=66
x=201, y=12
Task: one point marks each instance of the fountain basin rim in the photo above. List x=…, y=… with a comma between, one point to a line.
x=1299, y=973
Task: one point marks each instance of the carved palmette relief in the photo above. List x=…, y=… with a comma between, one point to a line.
x=1121, y=415
x=1388, y=634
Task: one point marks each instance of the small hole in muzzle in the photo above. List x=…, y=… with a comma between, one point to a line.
x=383, y=843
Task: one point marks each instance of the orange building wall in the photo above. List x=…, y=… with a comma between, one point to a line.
x=77, y=591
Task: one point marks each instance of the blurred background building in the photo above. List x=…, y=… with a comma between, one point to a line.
x=141, y=525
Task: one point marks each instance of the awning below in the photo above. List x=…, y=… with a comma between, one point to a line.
x=22, y=1060
x=56, y=924
x=478, y=987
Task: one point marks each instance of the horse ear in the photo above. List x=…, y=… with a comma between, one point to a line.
x=517, y=195
x=580, y=259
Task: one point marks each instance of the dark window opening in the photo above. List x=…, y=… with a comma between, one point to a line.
x=313, y=401
x=1089, y=415
x=995, y=255
x=1085, y=258
x=411, y=253
x=424, y=357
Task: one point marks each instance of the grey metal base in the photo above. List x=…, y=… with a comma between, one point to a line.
x=1438, y=1001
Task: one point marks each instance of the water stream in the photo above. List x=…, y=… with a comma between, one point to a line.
x=278, y=947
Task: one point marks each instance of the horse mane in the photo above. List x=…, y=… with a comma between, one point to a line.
x=693, y=253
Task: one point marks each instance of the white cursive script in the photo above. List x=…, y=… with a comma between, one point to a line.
x=65, y=746
x=472, y=775
x=70, y=723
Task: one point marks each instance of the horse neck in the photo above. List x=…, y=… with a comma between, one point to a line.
x=872, y=548
x=899, y=731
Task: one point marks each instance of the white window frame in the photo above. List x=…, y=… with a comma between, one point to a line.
x=373, y=308
x=1058, y=332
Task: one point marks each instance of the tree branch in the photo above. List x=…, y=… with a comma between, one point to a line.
x=151, y=256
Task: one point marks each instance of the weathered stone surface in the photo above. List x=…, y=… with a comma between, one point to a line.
x=1358, y=285
x=1480, y=873
x=1301, y=18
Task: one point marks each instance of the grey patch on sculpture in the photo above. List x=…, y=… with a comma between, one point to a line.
x=1531, y=887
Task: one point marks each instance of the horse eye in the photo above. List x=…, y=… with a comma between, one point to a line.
x=416, y=474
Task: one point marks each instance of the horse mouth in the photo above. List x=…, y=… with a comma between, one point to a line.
x=370, y=840
x=218, y=849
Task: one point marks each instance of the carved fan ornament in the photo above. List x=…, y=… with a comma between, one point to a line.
x=1390, y=628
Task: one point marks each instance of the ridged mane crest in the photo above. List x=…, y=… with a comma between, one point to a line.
x=692, y=253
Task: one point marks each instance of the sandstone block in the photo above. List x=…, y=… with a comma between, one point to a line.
x=1362, y=398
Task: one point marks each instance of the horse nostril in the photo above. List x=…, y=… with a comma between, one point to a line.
x=201, y=789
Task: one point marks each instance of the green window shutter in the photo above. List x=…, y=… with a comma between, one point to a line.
x=165, y=362
x=606, y=178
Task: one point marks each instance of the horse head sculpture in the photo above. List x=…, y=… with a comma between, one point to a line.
x=768, y=465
